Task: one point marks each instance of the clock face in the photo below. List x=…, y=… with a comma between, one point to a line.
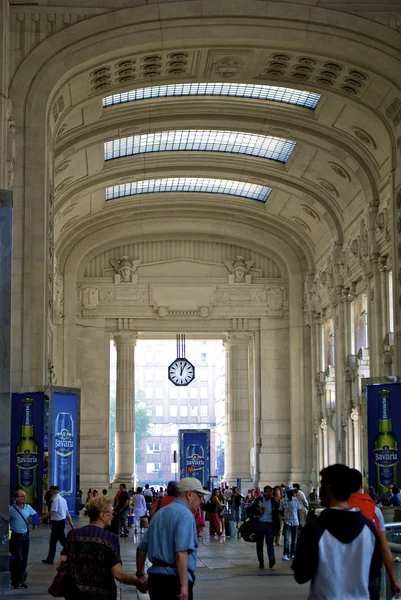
x=181, y=372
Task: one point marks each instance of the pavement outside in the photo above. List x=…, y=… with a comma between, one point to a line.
x=227, y=568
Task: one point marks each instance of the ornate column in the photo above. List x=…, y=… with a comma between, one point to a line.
x=387, y=335
x=237, y=454
x=125, y=407
x=340, y=343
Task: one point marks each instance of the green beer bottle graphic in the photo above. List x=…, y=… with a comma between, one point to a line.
x=27, y=455
x=385, y=447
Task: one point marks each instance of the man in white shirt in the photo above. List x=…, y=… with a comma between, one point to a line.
x=58, y=514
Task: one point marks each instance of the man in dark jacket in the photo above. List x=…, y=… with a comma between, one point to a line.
x=265, y=513
x=340, y=550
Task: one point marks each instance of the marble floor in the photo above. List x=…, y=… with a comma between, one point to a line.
x=227, y=568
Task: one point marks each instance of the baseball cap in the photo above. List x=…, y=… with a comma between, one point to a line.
x=190, y=484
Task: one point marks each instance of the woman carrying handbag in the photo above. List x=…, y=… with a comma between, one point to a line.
x=90, y=561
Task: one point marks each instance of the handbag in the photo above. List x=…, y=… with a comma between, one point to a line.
x=62, y=583
x=144, y=523
x=246, y=531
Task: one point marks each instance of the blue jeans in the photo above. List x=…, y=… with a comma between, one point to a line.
x=293, y=530
x=236, y=511
x=264, y=531
x=19, y=548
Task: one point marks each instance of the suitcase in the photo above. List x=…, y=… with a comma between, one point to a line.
x=230, y=528
x=131, y=519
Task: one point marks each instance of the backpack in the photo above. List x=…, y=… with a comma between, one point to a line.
x=246, y=531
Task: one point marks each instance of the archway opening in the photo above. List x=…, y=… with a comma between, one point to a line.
x=162, y=409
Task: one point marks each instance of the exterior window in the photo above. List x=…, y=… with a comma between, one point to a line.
x=194, y=411
x=173, y=410
x=159, y=392
x=173, y=392
x=153, y=467
x=203, y=411
x=194, y=392
x=203, y=392
x=153, y=448
x=183, y=411
x=159, y=410
x=149, y=393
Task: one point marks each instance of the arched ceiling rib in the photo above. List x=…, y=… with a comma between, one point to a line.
x=342, y=150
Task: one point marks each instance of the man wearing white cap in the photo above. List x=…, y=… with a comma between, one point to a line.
x=171, y=543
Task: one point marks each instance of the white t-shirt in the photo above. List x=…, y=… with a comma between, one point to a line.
x=380, y=519
x=59, y=508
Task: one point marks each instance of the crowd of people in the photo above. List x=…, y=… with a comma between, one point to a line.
x=340, y=551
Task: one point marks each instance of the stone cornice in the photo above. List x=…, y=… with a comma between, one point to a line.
x=195, y=300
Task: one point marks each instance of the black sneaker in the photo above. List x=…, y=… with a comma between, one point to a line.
x=47, y=562
x=272, y=562
x=23, y=586
x=261, y=565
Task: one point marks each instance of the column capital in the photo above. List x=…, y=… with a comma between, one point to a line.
x=122, y=338
x=241, y=338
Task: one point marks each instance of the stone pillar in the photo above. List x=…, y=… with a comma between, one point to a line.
x=237, y=454
x=377, y=321
x=5, y=400
x=340, y=343
x=5, y=106
x=316, y=401
x=125, y=408
x=93, y=377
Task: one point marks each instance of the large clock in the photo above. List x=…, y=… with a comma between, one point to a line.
x=181, y=372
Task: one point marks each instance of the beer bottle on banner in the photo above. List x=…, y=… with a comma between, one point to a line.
x=196, y=462
x=385, y=447
x=64, y=450
x=27, y=455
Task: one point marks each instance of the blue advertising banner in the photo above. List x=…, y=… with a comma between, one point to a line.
x=384, y=435
x=195, y=454
x=29, y=460
x=64, y=444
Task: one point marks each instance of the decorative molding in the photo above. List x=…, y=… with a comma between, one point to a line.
x=192, y=300
x=161, y=251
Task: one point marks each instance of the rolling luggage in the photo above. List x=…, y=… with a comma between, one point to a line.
x=229, y=525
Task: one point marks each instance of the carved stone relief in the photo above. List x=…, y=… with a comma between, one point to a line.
x=239, y=270
x=90, y=298
x=125, y=269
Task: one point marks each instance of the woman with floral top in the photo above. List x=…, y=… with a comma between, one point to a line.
x=92, y=559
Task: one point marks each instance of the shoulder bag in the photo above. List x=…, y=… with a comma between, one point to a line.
x=62, y=583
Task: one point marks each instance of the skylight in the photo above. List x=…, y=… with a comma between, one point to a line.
x=190, y=184
x=240, y=90
x=263, y=146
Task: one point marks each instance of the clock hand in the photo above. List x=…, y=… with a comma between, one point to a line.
x=182, y=368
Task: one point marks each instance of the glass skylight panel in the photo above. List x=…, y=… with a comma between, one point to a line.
x=240, y=90
x=190, y=184
x=262, y=146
